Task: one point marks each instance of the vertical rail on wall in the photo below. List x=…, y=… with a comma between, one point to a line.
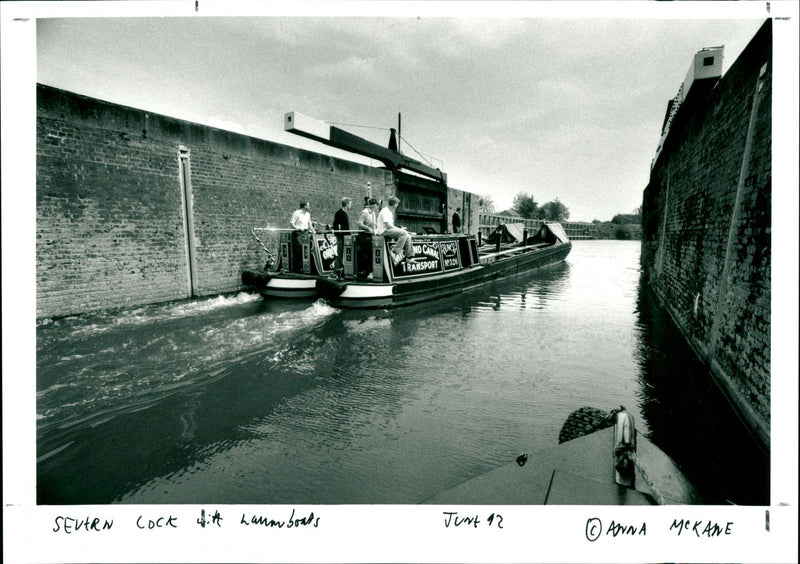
x=743, y=173
x=188, y=219
x=662, y=238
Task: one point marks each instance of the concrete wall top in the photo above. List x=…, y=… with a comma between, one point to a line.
x=137, y=124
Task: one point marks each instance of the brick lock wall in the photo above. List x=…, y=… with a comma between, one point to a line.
x=708, y=187
x=109, y=225
x=110, y=214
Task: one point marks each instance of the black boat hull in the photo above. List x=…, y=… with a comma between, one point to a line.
x=361, y=295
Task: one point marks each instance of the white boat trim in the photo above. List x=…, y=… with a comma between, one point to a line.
x=292, y=283
x=367, y=291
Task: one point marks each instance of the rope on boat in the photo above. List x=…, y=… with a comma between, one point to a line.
x=583, y=421
x=270, y=256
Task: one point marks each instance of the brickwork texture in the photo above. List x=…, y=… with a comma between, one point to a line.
x=706, y=245
x=125, y=197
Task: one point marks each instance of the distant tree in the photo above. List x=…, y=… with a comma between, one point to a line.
x=486, y=203
x=526, y=206
x=628, y=218
x=553, y=211
x=622, y=233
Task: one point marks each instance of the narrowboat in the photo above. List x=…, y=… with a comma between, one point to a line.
x=604, y=460
x=444, y=264
x=365, y=273
x=303, y=258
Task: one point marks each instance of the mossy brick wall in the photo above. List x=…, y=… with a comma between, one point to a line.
x=110, y=214
x=706, y=228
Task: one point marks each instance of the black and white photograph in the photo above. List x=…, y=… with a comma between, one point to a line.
x=400, y=282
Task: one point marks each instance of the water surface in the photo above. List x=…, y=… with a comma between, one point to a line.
x=239, y=400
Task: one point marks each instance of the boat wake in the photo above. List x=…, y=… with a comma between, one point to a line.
x=89, y=374
x=102, y=322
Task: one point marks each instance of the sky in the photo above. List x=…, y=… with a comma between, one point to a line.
x=565, y=102
x=504, y=102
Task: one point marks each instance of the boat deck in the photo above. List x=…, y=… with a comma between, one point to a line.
x=577, y=472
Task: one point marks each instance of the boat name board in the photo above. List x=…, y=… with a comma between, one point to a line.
x=326, y=250
x=450, y=255
x=431, y=257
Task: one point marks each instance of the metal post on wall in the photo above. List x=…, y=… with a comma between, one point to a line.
x=725, y=283
x=188, y=219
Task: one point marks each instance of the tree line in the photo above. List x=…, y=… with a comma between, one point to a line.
x=526, y=206
x=621, y=226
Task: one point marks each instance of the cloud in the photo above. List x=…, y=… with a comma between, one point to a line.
x=352, y=67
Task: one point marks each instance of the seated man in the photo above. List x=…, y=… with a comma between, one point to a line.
x=385, y=226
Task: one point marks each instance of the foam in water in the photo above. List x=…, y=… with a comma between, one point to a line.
x=149, y=359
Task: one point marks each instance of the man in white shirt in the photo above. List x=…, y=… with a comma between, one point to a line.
x=385, y=226
x=301, y=218
x=301, y=221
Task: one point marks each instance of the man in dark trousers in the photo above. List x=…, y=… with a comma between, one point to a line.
x=457, y=221
x=341, y=222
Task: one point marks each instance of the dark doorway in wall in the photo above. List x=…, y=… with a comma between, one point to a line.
x=422, y=204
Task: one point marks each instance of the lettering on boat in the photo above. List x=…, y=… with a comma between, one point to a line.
x=420, y=266
x=429, y=249
x=450, y=255
x=328, y=251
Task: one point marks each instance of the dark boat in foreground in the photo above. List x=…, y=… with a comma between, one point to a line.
x=368, y=275
x=613, y=465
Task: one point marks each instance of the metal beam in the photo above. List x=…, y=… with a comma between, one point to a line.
x=310, y=128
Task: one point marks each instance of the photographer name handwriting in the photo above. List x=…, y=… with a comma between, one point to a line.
x=699, y=529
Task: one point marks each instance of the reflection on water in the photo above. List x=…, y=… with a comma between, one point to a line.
x=690, y=418
x=240, y=400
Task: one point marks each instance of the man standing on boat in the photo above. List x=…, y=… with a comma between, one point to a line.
x=301, y=218
x=341, y=221
x=457, y=221
x=301, y=221
x=367, y=222
x=386, y=227
x=369, y=217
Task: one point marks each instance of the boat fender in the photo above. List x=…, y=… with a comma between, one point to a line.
x=583, y=421
x=331, y=287
x=255, y=279
x=522, y=459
